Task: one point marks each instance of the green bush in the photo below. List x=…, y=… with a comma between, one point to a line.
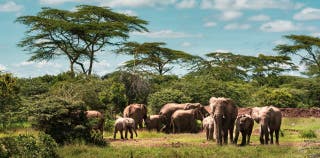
x=280, y=97
x=158, y=99
x=28, y=146
x=307, y=134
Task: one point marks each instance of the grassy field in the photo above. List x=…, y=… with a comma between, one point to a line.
x=153, y=144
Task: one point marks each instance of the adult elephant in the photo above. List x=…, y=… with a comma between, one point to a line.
x=168, y=109
x=136, y=111
x=153, y=122
x=269, y=119
x=96, y=115
x=225, y=113
x=185, y=120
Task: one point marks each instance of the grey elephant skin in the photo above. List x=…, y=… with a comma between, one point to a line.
x=153, y=122
x=208, y=127
x=168, y=109
x=185, y=120
x=93, y=114
x=244, y=124
x=269, y=119
x=136, y=111
x=124, y=124
x=225, y=113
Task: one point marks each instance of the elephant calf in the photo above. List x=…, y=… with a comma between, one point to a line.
x=154, y=122
x=208, y=126
x=185, y=120
x=244, y=124
x=124, y=124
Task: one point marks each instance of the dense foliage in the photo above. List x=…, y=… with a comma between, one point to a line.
x=42, y=146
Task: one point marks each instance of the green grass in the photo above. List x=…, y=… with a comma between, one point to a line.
x=153, y=144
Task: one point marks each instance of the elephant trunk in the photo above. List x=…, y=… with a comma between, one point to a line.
x=218, y=127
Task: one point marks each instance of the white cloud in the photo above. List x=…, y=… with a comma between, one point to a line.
x=128, y=12
x=249, y=4
x=2, y=67
x=236, y=26
x=56, y=2
x=230, y=15
x=186, y=4
x=280, y=26
x=280, y=41
x=186, y=44
x=308, y=14
x=222, y=51
x=136, y=3
x=40, y=65
x=165, y=34
x=260, y=17
x=210, y=24
x=10, y=6
x=316, y=34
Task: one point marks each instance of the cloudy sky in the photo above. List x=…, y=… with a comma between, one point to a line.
x=247, y=27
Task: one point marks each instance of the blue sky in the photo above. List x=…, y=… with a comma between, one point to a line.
x=247, y=27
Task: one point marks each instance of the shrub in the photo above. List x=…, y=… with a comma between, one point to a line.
x=307, y=134
x=158, y=99
x=28, y=146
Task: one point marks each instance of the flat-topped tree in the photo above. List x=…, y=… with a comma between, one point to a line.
x=78, y=34
x=153, y=57
x=307, y=48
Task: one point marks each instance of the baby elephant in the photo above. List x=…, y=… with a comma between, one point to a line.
x=208, y=126
x=244, y=124
x=154, y=122
x=124, y=124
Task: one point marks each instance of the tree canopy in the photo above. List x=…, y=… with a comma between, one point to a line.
x=153, y=57
x=307, y=48
x=79, y=35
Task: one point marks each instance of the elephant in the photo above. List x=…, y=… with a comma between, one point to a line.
x=136, y=111
x=244, y=124
x=153, y=122
x=225, y=113
x=185, y=120
x=93, y=114
x=124, y=124
x=269, y=119
x=168, y=109
x=208, y=126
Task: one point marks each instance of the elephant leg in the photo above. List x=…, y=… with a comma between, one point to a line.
x=207, y=133
x=231, y=127
x=249, y=135
x=126, y=134
x=271, y=136
x=235, y=141
x=114, y=134
x=225, y=136
x=266, y=137
x=243, y=141
x=131, y=134
x=121, y=133
x=211, y=134
x=261, y=137
x=277, y=136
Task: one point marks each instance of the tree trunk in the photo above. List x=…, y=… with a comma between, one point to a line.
x=91, y=63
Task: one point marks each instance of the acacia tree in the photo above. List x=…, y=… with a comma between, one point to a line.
x=307, y=48
x=229, y=66
x=153, y=57
x=79, y=34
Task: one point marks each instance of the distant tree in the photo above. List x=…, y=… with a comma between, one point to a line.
x=79, y=34
x=234, y=67
x=9, y=100
x=307, y=48
x=153, y=57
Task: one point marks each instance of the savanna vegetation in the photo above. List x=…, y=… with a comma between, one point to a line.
x=54, y=104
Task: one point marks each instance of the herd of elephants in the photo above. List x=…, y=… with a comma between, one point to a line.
x=218, y=120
